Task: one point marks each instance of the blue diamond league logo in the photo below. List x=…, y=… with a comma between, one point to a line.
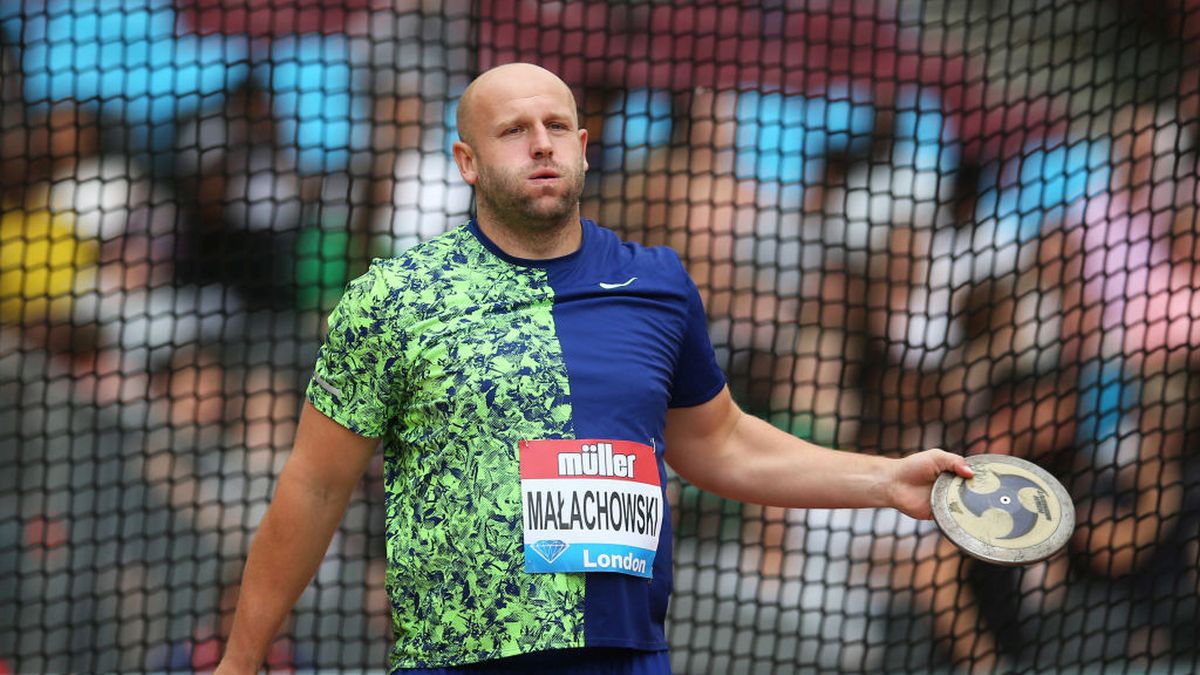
x=550, y=549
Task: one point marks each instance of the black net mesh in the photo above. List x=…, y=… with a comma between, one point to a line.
x=965, y=225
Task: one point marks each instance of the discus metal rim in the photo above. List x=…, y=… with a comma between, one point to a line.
x=948, y=483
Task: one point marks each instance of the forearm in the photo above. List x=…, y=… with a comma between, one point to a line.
x=765, y=465
x=290, y=544
x=718, y=447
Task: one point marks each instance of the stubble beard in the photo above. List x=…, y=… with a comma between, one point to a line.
x=503, y=195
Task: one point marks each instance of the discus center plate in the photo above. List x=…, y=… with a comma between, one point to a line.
x=1013, y=512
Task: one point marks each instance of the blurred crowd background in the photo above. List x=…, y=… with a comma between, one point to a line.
x=914, y=224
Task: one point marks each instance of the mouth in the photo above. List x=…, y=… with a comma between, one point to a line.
x=544, y=176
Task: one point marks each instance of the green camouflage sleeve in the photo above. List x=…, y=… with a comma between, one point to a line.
x=352, y=383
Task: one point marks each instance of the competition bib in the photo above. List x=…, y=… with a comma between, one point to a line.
x=590, y=505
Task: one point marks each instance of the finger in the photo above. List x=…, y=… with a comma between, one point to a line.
x=958, y=464
x=948, y=461
x=961, y=468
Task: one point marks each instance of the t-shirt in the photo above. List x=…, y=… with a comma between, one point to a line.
x=457, y=355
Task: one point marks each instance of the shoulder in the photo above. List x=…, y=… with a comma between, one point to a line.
x=661, y=262
x=423, y=264
x=445, y=251
x=394, y=286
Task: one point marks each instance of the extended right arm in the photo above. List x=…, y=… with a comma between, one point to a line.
x=326, y=463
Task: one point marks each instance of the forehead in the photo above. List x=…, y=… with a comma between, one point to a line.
x=525, y=94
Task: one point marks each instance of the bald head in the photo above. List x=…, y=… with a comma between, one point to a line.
x=512, y=80
x=522, y=150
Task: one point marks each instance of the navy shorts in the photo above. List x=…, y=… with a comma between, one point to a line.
x=564, y=662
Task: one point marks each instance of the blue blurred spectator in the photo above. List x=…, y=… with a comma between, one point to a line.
x=127, y=60
x=636, y=121
x=1131, y=312
x=1019, y=200
x=788, y=137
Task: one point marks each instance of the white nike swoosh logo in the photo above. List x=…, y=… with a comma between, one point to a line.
x=609, y=287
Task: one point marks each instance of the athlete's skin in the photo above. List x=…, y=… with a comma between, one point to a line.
x=523, y=152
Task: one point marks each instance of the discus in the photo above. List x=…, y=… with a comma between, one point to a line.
x=1012, y=512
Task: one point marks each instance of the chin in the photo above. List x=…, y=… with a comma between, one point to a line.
x=548, y=221
x=552, y=214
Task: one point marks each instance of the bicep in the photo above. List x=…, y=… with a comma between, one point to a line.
x=699, y=438
x=327, y=458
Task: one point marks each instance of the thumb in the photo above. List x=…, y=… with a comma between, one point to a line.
x=948, y=461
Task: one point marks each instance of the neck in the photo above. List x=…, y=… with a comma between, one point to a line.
x=539, y=242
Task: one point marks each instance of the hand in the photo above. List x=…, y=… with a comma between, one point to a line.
x=913, y=477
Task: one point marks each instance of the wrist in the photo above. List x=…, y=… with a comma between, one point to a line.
x=889, y=481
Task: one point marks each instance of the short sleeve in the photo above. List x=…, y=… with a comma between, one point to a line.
x=352, y=382
x=698, y=378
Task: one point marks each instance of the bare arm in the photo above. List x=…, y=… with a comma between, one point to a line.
x=719, y=448
x=326, y=463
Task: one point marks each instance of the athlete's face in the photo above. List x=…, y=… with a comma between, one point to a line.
x=522, y=148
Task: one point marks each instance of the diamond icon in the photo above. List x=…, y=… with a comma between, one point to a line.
x=549, y=549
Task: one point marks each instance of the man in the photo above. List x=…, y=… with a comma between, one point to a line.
x=530, y=373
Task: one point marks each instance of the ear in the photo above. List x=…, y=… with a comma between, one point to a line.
x=583, y=139
x=464, y=157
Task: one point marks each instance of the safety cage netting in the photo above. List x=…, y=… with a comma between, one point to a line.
x=916, y=224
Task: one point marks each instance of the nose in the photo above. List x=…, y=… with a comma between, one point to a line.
x=539, y=142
